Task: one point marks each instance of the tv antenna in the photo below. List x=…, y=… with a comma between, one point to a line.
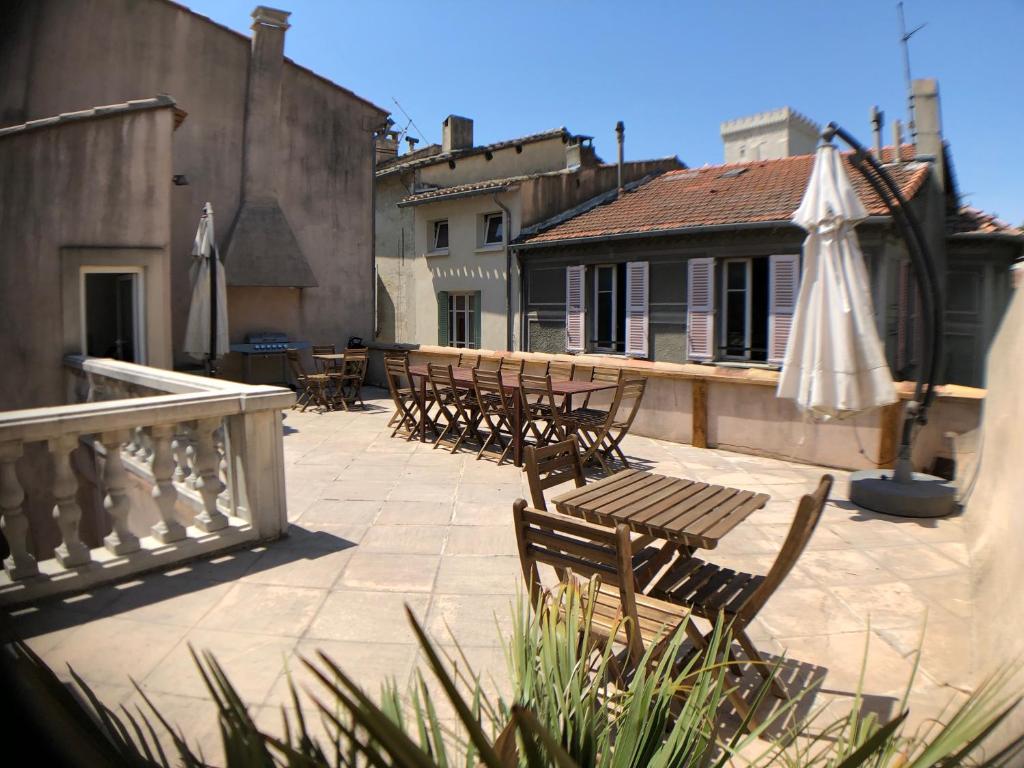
x=405, y=130
x=905, y=42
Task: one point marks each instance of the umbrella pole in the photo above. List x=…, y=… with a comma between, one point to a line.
x=902, y=491
x=213, y=313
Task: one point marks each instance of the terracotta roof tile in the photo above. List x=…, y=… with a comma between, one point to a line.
x=762, y=191
x=969, y=220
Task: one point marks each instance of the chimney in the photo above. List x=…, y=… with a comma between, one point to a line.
x=579, y=151
x=386, y=146
x=412, y=143
x=877, y=118
x=620, y=138
x=456, y=133
x=897, y=140
x=928, y=122
x=262, y=249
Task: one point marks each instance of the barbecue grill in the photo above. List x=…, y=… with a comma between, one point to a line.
x=267, y=344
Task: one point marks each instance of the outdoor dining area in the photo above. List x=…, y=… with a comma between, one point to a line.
x=337, y=380
x=505, y=404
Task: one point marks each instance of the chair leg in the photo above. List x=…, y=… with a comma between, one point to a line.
x=759, y=663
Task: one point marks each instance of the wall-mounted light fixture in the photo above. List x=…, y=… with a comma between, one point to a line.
x=180, y=180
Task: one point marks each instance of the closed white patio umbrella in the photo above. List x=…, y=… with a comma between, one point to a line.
x=834, y=366
x=206, y=340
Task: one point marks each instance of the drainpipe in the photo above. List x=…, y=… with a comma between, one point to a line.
x=508, y=270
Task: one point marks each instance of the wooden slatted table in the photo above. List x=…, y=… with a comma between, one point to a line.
x=684, y=512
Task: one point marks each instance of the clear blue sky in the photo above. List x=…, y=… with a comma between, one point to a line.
x=674, y=70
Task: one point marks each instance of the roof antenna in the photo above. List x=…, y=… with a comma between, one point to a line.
x=905, y=42
x=405, y=130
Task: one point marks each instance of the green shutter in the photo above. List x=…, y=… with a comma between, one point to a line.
x=442, y=318
x=477, y=313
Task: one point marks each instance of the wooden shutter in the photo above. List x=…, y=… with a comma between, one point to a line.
x=783, y=288
x=574, y=318
x=636, y=308
x=442, y=318
x=700, y=314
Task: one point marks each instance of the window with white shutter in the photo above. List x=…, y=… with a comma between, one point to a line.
x=574, y=312
x=636, y=308
x=784, y=287
x=700, y=315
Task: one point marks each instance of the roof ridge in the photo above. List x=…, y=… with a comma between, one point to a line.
x=105, y=110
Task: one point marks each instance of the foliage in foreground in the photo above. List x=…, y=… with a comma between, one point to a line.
x=570, y=707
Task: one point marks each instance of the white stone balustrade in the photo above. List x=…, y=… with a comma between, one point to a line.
x=207, y=452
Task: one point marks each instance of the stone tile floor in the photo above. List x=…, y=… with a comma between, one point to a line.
x=378, y=524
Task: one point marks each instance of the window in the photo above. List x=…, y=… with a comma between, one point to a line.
x=112, y=313
x=440, y=239
x=462, y=317
x=745, y=309
x=493, y=229
x=609, y=315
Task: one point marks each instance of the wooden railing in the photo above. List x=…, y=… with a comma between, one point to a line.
x=201, y=456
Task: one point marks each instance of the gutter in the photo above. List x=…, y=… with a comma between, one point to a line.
x=696, y=230
x=508, y=270
x=455, y=195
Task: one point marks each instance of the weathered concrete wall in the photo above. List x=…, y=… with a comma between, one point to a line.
x=91, y=52
x=93, y=192
x=535, y=157
x=993, y=511
x=395, y=248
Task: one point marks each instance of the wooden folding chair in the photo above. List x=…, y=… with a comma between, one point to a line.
x=488, y=363
x=349, y=376
x=561, y=370
x=605, y=375
x=511, y=365
x=405, y=395
x=542, y=416
x=495, y=411
x=323, y=366
x=602, y=432
x=581, y=551
x=313, y=386
x=468, y=360
x=553, y=465
x=395, y=355
x=455, y=407
x=708, y=589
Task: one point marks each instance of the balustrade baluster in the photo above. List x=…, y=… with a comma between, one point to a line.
x=222, y=466
x=179, y=448
x=121, y=540
x=71, y=551
x=209, y=484
x=164, y=492
x=190, y=458
x=20, y=563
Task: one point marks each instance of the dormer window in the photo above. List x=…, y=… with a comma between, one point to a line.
x=493, y=229
x=440, y=241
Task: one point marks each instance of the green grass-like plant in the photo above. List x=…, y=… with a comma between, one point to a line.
x=572, y=705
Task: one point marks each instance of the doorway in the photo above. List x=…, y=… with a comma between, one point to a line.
x=112, y=313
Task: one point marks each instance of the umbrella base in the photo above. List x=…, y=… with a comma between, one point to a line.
x=921, y=496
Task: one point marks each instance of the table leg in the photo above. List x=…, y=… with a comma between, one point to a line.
x=423, y=409
x=517, y=429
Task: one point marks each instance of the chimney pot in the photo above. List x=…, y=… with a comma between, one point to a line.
x=928, y=124
x=456, y=133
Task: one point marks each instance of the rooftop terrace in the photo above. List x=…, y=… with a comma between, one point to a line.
x=377, y=523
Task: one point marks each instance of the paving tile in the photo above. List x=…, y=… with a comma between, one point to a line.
x=252, y=663
x=917, y=562
x=415, y=513
x=341, y=512
x=418, y=491
x=891, y=605
x=292, y=567
x=479, y=513
x=194, y=716
x=411, y=539
x=265, y=609
x=392, y=572
x=348, y=490
x=844, y=566
x=179, y=600
x=478, y=574
x=808, y=611
x=474, y=619
x=367, y=617
x=481, y=540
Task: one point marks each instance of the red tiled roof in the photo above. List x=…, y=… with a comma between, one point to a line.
x=968, y=220
x=737, y=193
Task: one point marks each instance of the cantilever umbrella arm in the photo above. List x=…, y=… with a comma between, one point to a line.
x=924, y=270
x=904, y=492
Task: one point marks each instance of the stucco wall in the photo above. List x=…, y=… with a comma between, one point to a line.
x=92, y=52
x=102, y=186
x=535, y=157
x=993, y=511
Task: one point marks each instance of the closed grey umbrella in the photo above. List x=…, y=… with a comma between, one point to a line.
x=208, y=309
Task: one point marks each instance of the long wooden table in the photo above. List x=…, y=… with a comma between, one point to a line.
x=463, y=377
x=687, y=513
